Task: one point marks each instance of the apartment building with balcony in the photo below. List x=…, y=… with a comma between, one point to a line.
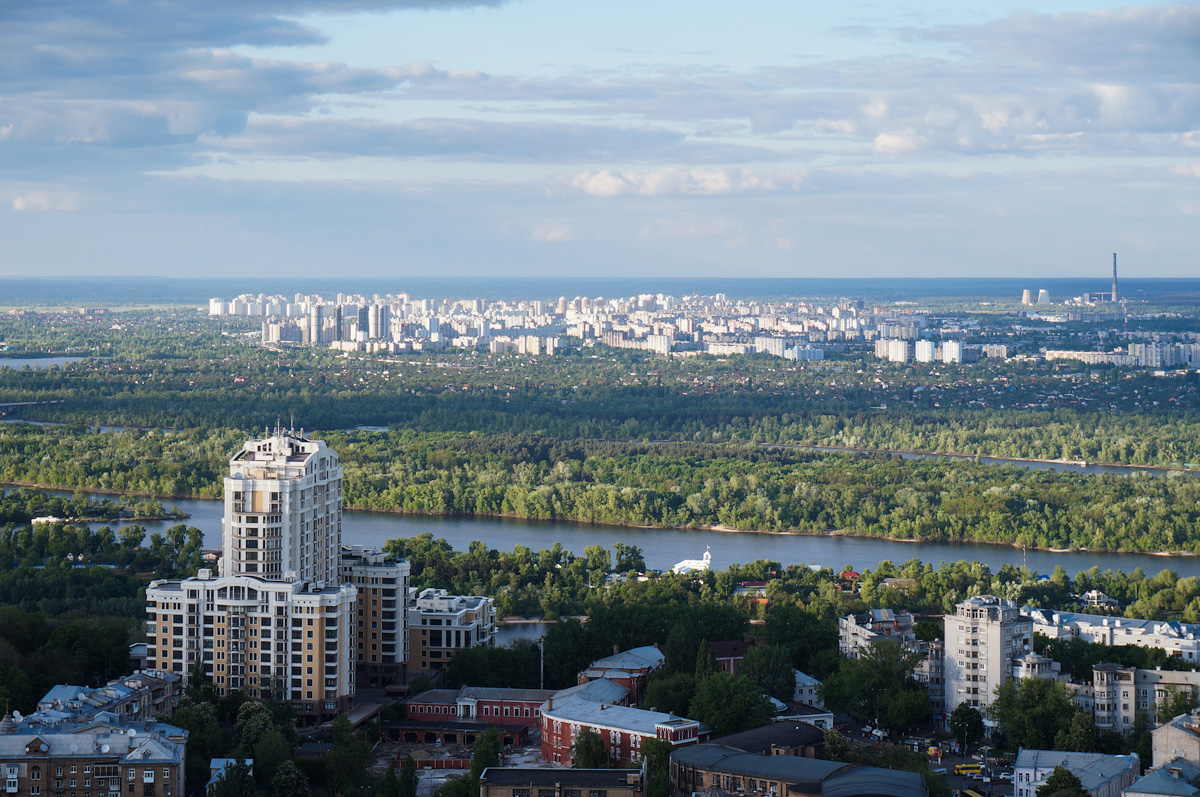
x=984, y=639
x=381, y=608
x=440, y=624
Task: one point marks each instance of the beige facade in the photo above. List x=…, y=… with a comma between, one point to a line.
x=283, y=510
x=289, y=640
x=381, y=609
x=440, y=624
x=984, y=638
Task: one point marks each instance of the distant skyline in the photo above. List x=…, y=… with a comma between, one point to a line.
x=561, y=138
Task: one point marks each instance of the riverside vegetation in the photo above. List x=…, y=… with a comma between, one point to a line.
x=619, y=437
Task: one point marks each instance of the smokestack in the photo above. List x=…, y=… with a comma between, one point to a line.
x=1114, y=277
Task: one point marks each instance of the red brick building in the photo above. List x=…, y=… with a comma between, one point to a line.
x=621, y=728
x=485, y=705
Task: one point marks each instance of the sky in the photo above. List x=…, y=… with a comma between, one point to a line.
x=625, y=138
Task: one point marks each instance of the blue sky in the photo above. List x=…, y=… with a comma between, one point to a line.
x=540, y=137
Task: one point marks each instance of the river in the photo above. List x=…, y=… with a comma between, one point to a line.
x=662, y=548
x=36, y=363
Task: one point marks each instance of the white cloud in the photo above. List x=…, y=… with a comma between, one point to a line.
x=901, y=143
x=687, y=182
x=45, y=200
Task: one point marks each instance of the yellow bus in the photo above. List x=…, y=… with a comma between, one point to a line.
x=969, y=793
x=968, y=769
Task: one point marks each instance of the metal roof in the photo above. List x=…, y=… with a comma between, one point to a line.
x=1094, y=770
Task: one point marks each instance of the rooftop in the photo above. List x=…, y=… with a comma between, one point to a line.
x=529, y=776
x=777, y=734
x=1173, y=779
x=1093, y=769
x=578, y=709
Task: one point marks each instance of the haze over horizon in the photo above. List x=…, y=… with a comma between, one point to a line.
x=529, y=138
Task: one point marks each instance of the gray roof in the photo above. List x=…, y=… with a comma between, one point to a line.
x=1171, y=628
x=1162, y=781
x=601, y=690
x=578, y=709
x=635, y=659
x=782, y=734
x=531, y=776
x=1094, y=770
x=447, y=697
x=505, y=693
x=810, y=775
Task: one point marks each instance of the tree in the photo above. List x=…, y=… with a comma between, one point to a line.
x=656, y=755
x=1061, y=783
x=408, y=778
x=880, y=686
x=629, y=558
x=1080, y=735
x=730, y=705
x=706, y=660
x=587, y=751
x=235, y=781
x=966, y=724
x=289, y=781
x=271, y=750
x=671, y=693
x=1032, y=711
x=771, y=669
x=347, y=761
x=253, y=720
x=927, y=631
x=486, y=753
x=1177, y=701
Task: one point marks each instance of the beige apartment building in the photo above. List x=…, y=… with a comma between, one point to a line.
x=984, y=638
x=440, y=624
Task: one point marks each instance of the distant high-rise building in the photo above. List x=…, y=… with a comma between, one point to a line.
x=1114, y=297
x=1027, y=296
x=924, y=351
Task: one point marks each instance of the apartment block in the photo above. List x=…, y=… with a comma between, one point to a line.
x=1176, y=638
x=381, y=629
x=984, y=638
x=440, y=624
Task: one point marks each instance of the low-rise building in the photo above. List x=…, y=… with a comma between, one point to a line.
x=778, y=738
x=105, y=759
x=629, y=668
x=1176, y=778
x=623, y=729
x=857, y=631
x=1176, y=638
x=141, y=696
x=808, y=690
x=488, y=705
x=440, y=624
x=1101, y=775
x=1177, y=738
x=536, y=782
x=709, y=766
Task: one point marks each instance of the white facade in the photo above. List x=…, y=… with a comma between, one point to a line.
x=984, y=638
x=925, y=350
x=440, y=624
x=1177, y=639
x=283, y=510
x=1101, y=775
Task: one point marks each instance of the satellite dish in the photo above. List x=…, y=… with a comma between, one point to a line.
x=17, y=715
x=44, y=747
x=104, y=748
x=132, y=732
x=74, y=748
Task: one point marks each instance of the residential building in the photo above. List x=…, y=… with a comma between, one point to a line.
x=293, y=616
x=83, y=758
x=779, y=738
x=381, y=606
x=808, y=690
x=701, y=767
x=141, y=696
x=1176, y=778
x=288, y=640
x=538, y=782
x=1176, y=638
x=925, y=351
x=283, y=510
x=729, y=654
x=984, y=638
x=931, y=671
x=1101, y=775
x=440, y=624
x=857, y=631
x=1177, y=738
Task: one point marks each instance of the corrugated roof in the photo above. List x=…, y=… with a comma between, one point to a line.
x=530, y=776
x=587, y=712
x=1093, y=769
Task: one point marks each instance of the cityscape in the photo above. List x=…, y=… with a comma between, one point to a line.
x=534, y=398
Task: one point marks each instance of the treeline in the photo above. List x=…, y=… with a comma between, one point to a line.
x=40, y=650
x=171, y=371
x=176, y=553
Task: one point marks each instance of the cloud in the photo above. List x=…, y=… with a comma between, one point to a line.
x=553, y=233
x=45, y=200
x=686, y=182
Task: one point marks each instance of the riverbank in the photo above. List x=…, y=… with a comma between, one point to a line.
x=696, y=530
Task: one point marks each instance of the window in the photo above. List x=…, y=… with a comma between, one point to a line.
x=598, y=793
x=520, y=793
x=35, y=773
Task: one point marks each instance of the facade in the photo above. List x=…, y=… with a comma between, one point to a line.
x=288, y=640
x=857, y=631
x=141, y=696
x=283, y=510
x=487, y=705
x=709, y=766
x=932, y=672
x=1177, y=738
x=808, y=690
x=381, y=605
x=984, y=638
x=1101, y=775
x=92, y=759
x=440, y=624
x=621, y=728
x=1177, y=639
x=531, y=782
x=630, y=668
